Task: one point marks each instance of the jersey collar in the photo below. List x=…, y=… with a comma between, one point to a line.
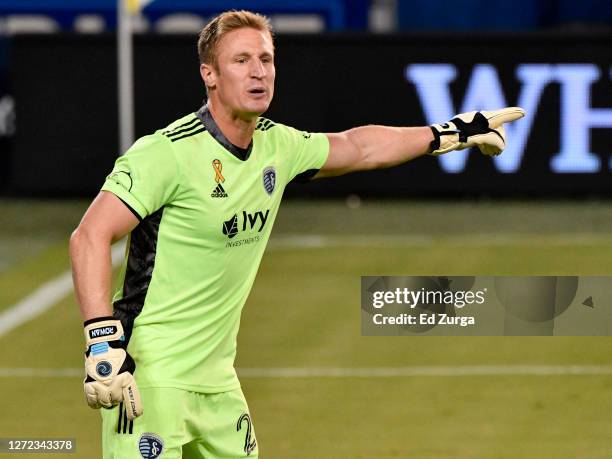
x=211, y=126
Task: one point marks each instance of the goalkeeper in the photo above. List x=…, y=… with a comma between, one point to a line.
x=198, y=200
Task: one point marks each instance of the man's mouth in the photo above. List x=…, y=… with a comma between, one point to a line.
x=256, y=91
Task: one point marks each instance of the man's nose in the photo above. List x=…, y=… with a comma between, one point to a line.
x=257, y=69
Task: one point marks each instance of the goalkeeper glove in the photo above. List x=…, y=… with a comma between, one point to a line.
x=109, y=369
x=484, y=130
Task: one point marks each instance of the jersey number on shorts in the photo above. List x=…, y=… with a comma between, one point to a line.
x=249, y=445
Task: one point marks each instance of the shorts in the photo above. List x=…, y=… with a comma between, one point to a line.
x=181, y=424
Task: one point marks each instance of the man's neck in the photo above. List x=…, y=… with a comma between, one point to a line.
x=238, y=131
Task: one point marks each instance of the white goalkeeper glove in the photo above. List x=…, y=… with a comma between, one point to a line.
x=109, y=369
x=484, y=130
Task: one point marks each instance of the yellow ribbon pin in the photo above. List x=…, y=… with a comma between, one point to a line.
x=218, y=167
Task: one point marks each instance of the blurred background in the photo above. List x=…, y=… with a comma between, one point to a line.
x=314, y=384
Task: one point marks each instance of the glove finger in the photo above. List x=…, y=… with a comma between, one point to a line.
x=102, y=394
x=492, y=144
x=489, y=150
x=97, y=395
x=116, y=395
x=131, y=397
x=91, y=396
x=498, y=117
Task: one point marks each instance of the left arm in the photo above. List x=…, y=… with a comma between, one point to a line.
x=374, y=147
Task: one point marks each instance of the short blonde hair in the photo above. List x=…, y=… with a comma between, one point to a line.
x=211, y=34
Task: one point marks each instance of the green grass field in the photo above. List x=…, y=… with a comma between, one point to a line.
x=304, y=313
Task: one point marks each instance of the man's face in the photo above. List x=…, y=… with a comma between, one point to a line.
x=243, y=79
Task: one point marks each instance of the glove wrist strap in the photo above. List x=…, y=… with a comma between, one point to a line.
x=97, y=319
x=435, y=143
x=102, y=329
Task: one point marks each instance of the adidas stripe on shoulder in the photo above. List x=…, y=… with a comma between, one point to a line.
x=263, y=124
x=185, y=129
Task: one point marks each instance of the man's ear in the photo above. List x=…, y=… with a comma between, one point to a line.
x=209, y=76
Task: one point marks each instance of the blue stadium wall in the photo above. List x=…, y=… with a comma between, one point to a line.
x=64, y=87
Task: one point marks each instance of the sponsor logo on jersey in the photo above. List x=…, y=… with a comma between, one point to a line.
x=269, y=179
x=102, y=331
x=150, y=446
x=218, y=192
x=245, y=221
x=104, y=368
x=230, y=227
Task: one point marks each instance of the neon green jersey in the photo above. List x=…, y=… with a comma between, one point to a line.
x=206, y=209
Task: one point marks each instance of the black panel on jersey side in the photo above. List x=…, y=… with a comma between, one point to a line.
x=139, y=271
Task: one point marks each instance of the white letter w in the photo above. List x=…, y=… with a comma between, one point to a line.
x=483, y=92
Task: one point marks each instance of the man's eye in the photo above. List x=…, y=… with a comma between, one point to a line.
x=241, y=60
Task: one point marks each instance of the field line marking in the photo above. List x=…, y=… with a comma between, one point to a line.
x=385, y=372
x=309, y=241
x=364, y=372
x=52, y=291
x=41, y=372
x=44, y=297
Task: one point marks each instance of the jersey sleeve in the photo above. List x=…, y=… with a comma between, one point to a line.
x=146, y=177
x=310, y=151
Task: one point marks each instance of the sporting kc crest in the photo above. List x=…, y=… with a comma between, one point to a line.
x=269, y=179
x=150, y=446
